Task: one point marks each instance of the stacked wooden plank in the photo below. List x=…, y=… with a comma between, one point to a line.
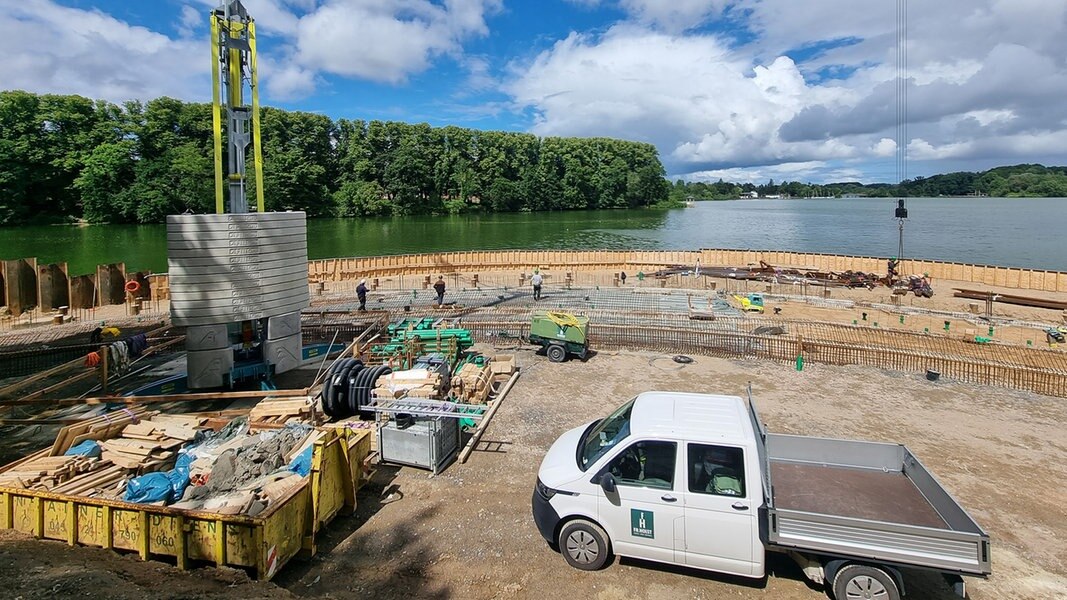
x=152, y=444
x=107, y=481
x=282, y=410
x=415, y=383
x=139, y=455
x=46, y=472
x=100, y=427
x=471, y=384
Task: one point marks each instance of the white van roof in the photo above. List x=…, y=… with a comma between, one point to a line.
x=695, y=417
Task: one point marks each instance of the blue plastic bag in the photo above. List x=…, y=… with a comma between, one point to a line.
x=301, y=464
x=168, y=486
x=87, y=448
x=151, y=487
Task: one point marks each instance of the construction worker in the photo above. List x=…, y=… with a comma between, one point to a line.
x=892, y=267
x=439, y=287
x=537, y=280
x=361, y=293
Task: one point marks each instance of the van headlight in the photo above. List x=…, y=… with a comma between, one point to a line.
x=544, y=491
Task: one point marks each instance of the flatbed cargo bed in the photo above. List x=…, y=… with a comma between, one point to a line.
x=869, y=501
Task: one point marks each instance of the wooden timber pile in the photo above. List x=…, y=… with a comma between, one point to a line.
x=472, y=383
x=150, y=445
x=131, y=442
x=48, y=473
x=281, y=410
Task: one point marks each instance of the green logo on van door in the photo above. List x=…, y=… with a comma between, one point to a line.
x=642, y=523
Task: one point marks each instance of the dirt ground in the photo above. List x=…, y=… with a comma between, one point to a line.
x=468, y=533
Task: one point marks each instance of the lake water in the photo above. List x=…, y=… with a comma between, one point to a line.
x=1024, y=232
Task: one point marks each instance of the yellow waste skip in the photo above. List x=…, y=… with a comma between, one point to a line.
x=263, y=543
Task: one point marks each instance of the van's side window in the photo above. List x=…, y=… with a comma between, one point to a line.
x=716, y=470
x=646, y=464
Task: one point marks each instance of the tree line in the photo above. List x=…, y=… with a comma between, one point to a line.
x=1027, y=180
x=68, y=157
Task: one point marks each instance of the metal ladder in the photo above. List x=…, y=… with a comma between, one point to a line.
x=423, y=407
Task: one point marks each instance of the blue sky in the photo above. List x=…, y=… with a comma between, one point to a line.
x=746, y=90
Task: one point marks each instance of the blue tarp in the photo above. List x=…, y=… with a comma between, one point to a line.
x=168, y=486
x=301, y=464
x=87, y=448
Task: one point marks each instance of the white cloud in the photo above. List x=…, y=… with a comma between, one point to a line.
x=884, y=147
x=286, y=81
x=808, y=171
x=190, y=19
x=386, y=41
x=698, y=101
x=674, y=15
x=49, y=48
x=479, y=77
x=271, y=16
x=989, y=85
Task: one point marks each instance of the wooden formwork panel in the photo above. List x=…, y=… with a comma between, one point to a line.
x=999, y=276
x=1047, y=283
x=53, y=286
x=159, y=286
x=83, y=291
x=1012, y=278
x=110, y=282
x=20, y=284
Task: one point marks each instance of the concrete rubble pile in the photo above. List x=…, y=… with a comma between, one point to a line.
x=233, y=472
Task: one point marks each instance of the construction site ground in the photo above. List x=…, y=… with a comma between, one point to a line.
x=468, y=533
x=1014, y=325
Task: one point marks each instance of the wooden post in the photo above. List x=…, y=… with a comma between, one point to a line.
x=103, y=369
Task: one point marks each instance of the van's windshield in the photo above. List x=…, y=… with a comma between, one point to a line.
x=603, y=436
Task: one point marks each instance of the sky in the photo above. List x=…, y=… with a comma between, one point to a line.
x=744, y=90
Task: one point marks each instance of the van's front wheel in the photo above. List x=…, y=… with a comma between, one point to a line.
x=584, y=545
x=861, y=582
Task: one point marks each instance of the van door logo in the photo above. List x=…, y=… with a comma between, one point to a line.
x=642, y=523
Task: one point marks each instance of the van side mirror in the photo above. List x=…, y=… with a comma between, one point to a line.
x=607, y=483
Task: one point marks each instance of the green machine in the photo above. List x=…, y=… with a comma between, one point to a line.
x=560, y=334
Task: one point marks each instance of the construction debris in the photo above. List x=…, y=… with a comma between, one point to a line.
x=230, y=477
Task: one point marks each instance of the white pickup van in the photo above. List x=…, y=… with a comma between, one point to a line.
x=695, y=480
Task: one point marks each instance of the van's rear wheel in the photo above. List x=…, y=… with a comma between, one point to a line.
x=861, y=582
x=584, y=545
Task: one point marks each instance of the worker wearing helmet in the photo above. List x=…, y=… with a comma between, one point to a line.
x=361, y=293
